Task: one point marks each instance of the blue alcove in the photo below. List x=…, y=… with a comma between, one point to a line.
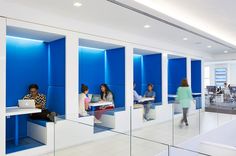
x=33, y=61
x=196, y=80
x=103, y=65
x=177, y=71
x=148, y=69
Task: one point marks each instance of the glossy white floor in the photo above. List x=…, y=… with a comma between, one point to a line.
x=119, y=145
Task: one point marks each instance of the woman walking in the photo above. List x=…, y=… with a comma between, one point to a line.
x=185, y=98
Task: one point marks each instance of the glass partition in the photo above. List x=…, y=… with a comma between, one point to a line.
x=186, y=122
x=82, y=136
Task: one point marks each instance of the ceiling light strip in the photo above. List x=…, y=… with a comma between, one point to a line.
x=164, y=21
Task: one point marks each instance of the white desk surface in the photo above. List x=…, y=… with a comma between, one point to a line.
x=12, y=111
x=100, y=104
x=172, y=96
x=197, y=93
x=146, y=99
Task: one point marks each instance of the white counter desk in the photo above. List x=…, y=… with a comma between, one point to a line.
x=97, y=104
x=16, y=111
x=145, y=99
x=172, y=96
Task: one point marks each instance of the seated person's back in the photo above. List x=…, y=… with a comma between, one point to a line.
x=83, y=101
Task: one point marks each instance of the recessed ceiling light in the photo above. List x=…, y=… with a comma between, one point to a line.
x=209, y=46
x=185, y=38
x=225, y=51
x=77, y=4
x=147, y=26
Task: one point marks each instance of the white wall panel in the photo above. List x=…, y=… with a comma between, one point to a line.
x=2, y=85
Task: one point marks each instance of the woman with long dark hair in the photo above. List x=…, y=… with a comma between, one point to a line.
x=184, y=97
x=106, y=96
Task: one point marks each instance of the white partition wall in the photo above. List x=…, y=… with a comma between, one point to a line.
x=188, y=64
x=72, y=80
x=129, y=78
x=203, y=87
x=164, y=78
x=2, y=85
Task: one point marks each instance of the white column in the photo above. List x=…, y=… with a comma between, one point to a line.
x=188, y=66
x=72, y=68
x=202, y=83
x=164, y=78
x=129, y=77
x=2, y=86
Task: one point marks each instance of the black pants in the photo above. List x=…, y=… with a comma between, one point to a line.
x=185, y=113
x=41, y=116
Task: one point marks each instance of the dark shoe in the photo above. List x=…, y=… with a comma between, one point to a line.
x=52, y=116
x=186, y=124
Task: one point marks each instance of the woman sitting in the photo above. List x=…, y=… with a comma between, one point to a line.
x=83, y=101
x=150, y=93
x=106, y=96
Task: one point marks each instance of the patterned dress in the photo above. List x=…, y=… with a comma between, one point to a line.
x=39, y=100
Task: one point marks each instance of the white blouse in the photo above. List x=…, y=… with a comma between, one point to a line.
x=82, y=110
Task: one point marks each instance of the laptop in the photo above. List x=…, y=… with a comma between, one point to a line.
x=95, y=98
x=90, y=96
x=26, y=104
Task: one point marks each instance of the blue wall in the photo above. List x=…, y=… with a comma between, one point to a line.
x=148, y=69
x=138, y=76
x=176, y=73
x=28, y=62
x=56, y=77
x=115, y=74
x=98, y=66
x=91, y=68
x=196, y=76
x=196, y=80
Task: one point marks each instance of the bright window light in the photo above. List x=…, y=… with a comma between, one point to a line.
x=185, y=38
x=164, y=7
x=27, y=39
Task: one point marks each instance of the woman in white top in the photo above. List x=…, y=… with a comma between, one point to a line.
x=84, y=101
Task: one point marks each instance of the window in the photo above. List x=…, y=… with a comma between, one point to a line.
x=206, y=76
x=220, y=76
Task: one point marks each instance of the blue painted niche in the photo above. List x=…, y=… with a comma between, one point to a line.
x=148, y=69
x=177, y=71
x=30, y=61
x=196, y=80
x=196, y=76
x=97, y=66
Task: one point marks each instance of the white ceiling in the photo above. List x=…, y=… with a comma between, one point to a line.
x=215, y=17
x=104, y=13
